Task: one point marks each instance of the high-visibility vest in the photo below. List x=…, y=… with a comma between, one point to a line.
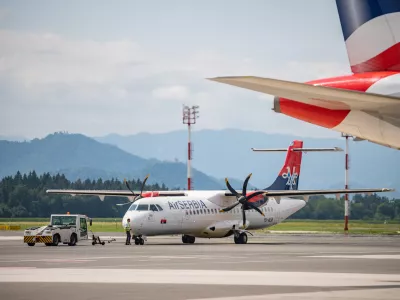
x=128, y=226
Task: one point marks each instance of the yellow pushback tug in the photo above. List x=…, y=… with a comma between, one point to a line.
x=63, y=228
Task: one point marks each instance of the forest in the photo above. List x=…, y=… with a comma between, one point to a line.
x=24, y=195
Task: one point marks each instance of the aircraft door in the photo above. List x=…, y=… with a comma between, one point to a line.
x=152, y=213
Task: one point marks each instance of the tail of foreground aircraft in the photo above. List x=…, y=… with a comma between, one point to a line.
x=371, y=30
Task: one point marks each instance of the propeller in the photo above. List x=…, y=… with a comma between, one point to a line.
x=141, y=190
x=243, y=199
x=137, y=197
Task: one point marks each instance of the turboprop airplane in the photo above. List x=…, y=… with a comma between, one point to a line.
x=365, y=104
x=218, y=213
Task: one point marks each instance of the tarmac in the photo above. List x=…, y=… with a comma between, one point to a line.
x=270, y=266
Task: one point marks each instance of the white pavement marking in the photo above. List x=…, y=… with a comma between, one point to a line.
x=382, y=294
x=214, y=277
x=11, y=238
x=372, y=256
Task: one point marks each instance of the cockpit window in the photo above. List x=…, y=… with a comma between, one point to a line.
x=133, y=207
x=143, y=207
x=159, y=207
x=153, y=207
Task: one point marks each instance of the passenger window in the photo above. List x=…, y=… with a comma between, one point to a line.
x=143, y=207
x=159, y=207
x=208, y=210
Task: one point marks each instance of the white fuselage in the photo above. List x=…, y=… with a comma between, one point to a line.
x=198, y=214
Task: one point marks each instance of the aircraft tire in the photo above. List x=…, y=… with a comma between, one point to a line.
x=241, y=239
x=31, y=244
x=184, y=239
x=141, y=241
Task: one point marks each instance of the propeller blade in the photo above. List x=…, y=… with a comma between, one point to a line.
x=229, y=207
x=230, y=188
x=121, y=204
x=255, y=207
x=244, y=216
x=127, y=185
x=256, y=194
x=245, y=184
x=144, y=181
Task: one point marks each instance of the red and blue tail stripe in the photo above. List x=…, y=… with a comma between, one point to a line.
x=371, y=30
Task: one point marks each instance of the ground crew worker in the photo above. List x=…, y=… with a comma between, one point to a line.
x=128, y=232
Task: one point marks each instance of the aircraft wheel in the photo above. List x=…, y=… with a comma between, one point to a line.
x=191, y=239
x=31, y=244
x=243, y=238
x=185, y=239
x=137, y=242
x=141, y=241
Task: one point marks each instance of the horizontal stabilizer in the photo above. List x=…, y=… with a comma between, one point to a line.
x=322, y=96
x=334, y=149
x=292, y=193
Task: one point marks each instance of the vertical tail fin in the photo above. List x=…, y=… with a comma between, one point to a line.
x=371, y=30
x=288, y=178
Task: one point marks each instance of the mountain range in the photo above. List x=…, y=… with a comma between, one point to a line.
x=80, y=157
x=217, y=154
x=227, y=153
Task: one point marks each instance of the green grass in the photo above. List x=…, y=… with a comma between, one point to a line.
x=332, y=226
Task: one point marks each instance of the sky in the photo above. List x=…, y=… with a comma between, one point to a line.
x=101, y=67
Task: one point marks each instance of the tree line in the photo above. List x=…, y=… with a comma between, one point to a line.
x=25, y=196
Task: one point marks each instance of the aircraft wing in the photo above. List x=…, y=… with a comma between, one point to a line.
x=114, y=193
x=326, y=97
x=306, y=193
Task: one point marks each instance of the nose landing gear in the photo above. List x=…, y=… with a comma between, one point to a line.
x=139, y=240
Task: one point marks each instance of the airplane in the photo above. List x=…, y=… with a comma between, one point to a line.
x=364, y=104
x=218, y=213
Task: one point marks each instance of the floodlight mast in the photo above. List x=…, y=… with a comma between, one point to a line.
x=190, y=114
x=346, y=184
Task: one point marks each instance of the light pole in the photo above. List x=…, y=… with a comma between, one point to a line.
x=190, y=114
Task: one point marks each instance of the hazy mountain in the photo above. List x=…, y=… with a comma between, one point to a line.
x=227, y=153
x=78, y=156
x=13, y=138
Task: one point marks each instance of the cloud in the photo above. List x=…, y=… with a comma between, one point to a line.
x=175, y=92
x=100, y=87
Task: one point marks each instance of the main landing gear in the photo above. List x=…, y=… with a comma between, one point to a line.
x=240, y=238
x=188, y=239
x=139, y=240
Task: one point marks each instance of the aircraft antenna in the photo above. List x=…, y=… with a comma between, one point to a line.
x=190, y=114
